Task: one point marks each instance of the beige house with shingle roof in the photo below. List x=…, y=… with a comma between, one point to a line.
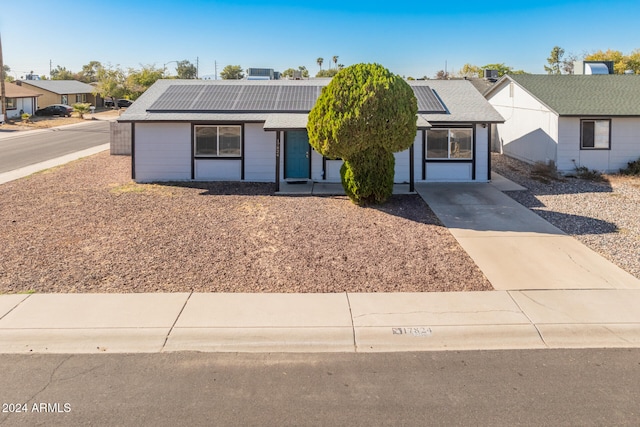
x=66, y=92
x=571, y=120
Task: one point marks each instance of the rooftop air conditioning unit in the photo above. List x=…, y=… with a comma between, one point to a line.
x=491, y=74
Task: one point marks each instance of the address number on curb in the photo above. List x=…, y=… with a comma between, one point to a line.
x=416, y=332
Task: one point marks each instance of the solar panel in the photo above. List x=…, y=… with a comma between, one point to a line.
x=217, y=98
x=237, y=98
x=428, y=102
x=177, y=97
x=261, y=98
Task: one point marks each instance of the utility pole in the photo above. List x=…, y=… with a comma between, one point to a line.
x=197, y=66
x=2, y=88
x=50, y=68
x=215, y=65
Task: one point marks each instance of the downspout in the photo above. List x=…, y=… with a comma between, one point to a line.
x=277, y=161
x=412, y=187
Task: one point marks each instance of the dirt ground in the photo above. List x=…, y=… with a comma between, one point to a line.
x=86, y=227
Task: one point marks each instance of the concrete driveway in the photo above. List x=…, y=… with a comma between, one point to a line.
x=515, y=248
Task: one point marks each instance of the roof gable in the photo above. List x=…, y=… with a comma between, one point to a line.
x=583, y=95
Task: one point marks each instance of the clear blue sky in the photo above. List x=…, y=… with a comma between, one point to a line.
x=410, y=38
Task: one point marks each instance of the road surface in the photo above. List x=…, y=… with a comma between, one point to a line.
x=479, y=388
x=22, y=149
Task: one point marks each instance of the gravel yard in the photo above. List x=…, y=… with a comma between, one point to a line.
x=86, y=227
x=603, y=215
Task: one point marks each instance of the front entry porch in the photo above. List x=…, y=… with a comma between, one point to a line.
x=311, y=188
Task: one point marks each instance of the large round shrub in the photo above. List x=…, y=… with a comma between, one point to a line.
x=363, y=116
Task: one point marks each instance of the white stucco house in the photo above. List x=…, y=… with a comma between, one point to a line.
x=591, y=121
x=226, y=130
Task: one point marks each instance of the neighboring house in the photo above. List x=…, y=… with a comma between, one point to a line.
x=20, y=100
x=569, y=120
x=256, y=131
x=67, y=92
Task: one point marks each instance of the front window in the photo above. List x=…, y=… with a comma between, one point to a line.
x=218, y=141
x=10, y=103
x=64, y=99
x=81, y=97
x=595, y=134
x=454, y=143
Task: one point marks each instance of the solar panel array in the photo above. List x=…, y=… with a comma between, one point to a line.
x=428, y=102
x=237, y=98
x=260, y=98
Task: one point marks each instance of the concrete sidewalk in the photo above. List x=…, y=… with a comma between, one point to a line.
x=132, y=323
x=551, y=292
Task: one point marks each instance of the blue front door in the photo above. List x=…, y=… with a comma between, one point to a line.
x=296, y=155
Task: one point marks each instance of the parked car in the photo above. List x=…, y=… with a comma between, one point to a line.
x=122, y=103
x=55, y=110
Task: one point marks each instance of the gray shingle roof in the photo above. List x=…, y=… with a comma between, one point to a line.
x=453, y=101
x=583, y=95
x=61, y=87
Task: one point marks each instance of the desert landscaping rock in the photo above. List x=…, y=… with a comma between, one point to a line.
x=605, y=215
x=86, y=227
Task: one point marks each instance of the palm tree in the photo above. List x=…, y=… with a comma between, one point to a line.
x=320, y=61
x=335, y=60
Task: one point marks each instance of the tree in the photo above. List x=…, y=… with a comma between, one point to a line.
x=567, y=63
x=291, y=72
x=5, y=70
x=89, y=73
x=81, y=108
x=335, y=61
x=634, y=61
x=186, y=70
x=442, y=75
x=111, y=83
x=555, y=61
x=327, y=73
x=319, y=61
x=232, y=72
x=363, y=116
x=502, y=69
x=138, y=81
x=620, y=61
x=61, y=73
x=469, y=71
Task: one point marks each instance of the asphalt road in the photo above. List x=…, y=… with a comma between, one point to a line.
x=486, y=388
x=27, y=148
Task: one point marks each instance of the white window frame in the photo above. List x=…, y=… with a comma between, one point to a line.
x=217, y=155
x=598, y=143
